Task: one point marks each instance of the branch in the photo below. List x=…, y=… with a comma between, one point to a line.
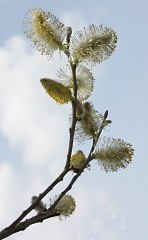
x=32, y=206
x=89, y=159
x=25, y=224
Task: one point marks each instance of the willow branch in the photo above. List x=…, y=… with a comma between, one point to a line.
x=27, y=223
x=89, y=159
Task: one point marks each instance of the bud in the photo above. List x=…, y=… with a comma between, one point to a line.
x=69, y=32
x=40, y=207
x=77, y=161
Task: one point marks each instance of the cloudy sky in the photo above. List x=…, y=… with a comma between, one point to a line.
x=34, y=129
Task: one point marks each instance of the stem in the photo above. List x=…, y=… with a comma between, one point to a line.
x=28, y=222
x=74, y=119
x=102, y=127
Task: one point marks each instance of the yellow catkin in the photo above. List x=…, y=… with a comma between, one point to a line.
x=77, y=161
x=56, y=90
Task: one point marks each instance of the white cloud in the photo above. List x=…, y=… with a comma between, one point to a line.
x=29, y=118
x=6, y=176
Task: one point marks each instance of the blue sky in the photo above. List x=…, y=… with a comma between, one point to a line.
x=32, y=127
